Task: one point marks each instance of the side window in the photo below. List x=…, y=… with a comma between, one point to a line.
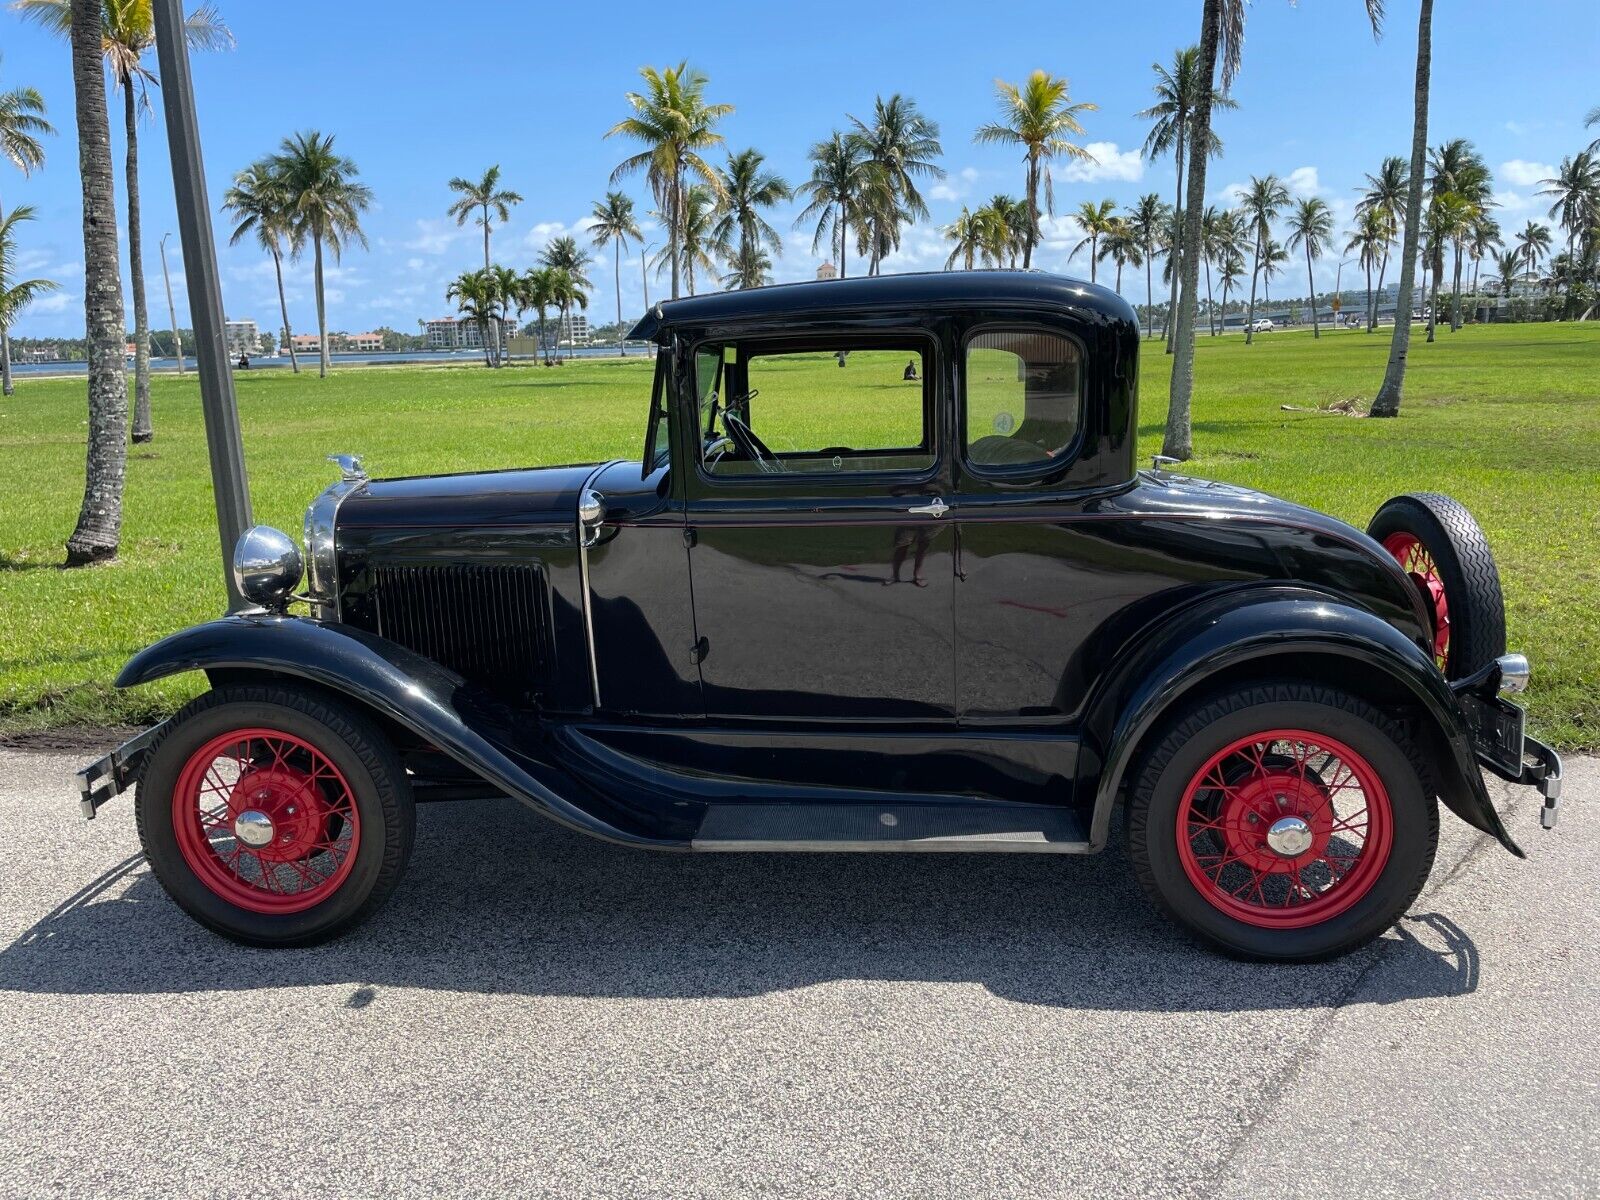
x=823, y=410
x=1024, y=397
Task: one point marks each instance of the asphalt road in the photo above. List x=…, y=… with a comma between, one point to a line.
x=541, y=1014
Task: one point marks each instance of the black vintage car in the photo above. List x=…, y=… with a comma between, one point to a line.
x=942, y=611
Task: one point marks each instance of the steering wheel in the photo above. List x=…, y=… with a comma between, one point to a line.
x=748, y=441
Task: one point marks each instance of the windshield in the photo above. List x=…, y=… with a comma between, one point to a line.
x=707, y=383
x=657, y=445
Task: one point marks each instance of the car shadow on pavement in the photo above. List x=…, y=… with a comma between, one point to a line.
x=497, y=900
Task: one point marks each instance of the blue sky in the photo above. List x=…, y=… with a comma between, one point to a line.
x=416, y=93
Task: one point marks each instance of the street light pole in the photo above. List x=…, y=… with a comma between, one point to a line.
x=229, y=483
x=1338, y=296
x=172, y=313
x=644, y=256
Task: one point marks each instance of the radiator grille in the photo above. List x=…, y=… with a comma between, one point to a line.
x=490, y=623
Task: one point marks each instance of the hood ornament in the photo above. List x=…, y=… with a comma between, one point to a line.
x=350, y=469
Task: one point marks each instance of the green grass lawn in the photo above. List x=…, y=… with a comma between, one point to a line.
x=1506, y=419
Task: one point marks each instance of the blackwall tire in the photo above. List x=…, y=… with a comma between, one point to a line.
x=312, y=776
x=1448, y=558
x=1199, y=804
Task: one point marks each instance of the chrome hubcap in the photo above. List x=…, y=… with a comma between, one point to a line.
x=253, y=827
x=1290, y=837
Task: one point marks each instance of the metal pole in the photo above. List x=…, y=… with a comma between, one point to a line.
x=229, y=483
x=172, y=313
x=643, y=277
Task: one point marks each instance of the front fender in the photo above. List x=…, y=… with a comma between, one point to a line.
x=398, y=683
x=1248, y=632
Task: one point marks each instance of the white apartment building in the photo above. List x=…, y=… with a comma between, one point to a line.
x=242, y=337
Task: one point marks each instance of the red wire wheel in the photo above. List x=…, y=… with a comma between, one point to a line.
x=265, y=820
x=1418, y=563
x=1284, y=829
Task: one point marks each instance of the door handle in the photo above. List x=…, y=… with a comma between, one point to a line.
x=937, y=509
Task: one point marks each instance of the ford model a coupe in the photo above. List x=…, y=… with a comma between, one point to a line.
x=885, y=577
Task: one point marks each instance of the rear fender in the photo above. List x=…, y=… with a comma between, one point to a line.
x=406, y=688
x=1270, y=632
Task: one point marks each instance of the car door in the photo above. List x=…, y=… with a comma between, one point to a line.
x=820, y=558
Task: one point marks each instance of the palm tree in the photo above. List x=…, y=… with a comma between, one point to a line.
x=838, y=177
x=1456, y=169
x=484, y=202
x=1264, y=200
x=1149, y=220
x=1370, y=241
x=506, y=288
x=128, y=32
x=1177, y=101
x=1223, y=241
x=537, y=290
x=967, y=234
x=325, y=205
x=614, y=225
x=673, y=120
x=16, y=294
x=1507, y=267
x=1576, y=190
x=260, y=200
x=1482, y=242
x=476, y=297
x=748, y=188
x=1386, y=195
x=565, y=291
x=22, y=124
x=748, y=268
x=1037, y=115
x=1095, y=221
x=1447, y=217
x=1533, y=243
x=99, y=527
x=1121, y=246
x=1310, y=226
x=1392, y=390
x=1002, y=230
x=571, y=282
x=1274, y=259
x=1230, y=271
x=899, y=145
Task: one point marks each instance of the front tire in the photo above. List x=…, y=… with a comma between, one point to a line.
x=1282, y=822
x=275, y=816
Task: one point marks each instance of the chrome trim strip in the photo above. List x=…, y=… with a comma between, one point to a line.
x=1032, y=844
x=322, y=559
x=583, y=577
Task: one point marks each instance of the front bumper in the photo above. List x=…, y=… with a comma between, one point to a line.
x=110, y=776
x=1499, y=740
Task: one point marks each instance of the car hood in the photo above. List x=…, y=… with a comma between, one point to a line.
x=522, y=497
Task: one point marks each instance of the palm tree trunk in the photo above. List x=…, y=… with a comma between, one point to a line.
x=1255, y=273
x=622, y=351
x=844, y=231
x=142, y=430
x=674, y=223
x=1211, y=308
x=172, y=310
x=1174, y=251
x=1370, y=309
x=283, y=310
x=1387, y=403
x=1094, y=255
x=1033, y=208
x=99, y=527
x=6, y=388
x=322, y=310
x=1316, y=326
x=1149, y=291
x=1179, y=439
x=1383, y=265
x=1455, y=286
x=1435, y=268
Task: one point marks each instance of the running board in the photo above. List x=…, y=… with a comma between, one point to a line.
x=893, y=829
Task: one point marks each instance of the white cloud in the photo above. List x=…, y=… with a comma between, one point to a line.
x=1302, y=181
x=1513, y=201
x=1232, y=194
x=415, y=264
x=944, y=191
x=434, y=235
x=53, y=303
x=970, y=174
x=1107, y=163
x=1524, y=173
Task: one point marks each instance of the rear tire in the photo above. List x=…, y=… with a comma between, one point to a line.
x=275, y=816
x=1282, y=822
x=1448, y=558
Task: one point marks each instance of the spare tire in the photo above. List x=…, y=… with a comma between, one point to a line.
x=1447, y=557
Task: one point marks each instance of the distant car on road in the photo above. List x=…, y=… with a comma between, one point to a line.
x=1261, y=325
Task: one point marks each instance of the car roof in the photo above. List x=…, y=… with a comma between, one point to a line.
x=959, y=289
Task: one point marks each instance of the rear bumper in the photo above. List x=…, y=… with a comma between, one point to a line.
x=1499, y=741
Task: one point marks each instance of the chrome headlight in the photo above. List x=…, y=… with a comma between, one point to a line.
x=267, y=566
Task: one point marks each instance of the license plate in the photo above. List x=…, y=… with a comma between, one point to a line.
x=1496, y=733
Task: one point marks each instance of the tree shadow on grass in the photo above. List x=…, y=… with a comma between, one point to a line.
x=499, y=901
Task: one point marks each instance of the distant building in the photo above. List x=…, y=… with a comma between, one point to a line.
x=307, y=343
x=363, y=342
x=827, y=271
x=459, y=333
x=242, y=337
x=573, y=330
